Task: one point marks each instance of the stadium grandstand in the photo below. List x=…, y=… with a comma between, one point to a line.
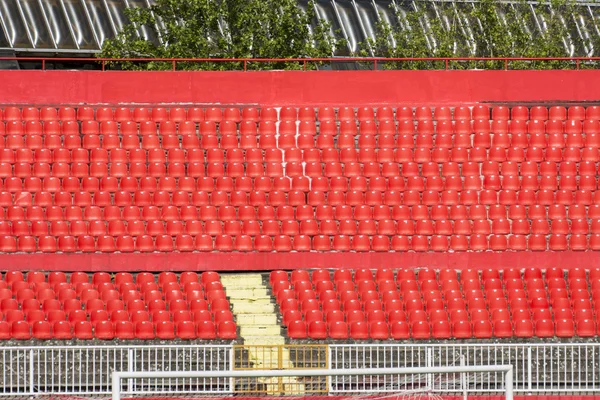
x=313, y=233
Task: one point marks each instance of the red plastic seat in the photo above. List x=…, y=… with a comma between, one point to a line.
x=524, y=328
x=565, y=328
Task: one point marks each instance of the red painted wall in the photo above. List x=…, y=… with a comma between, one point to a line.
x=298, y=88
x=269, y=261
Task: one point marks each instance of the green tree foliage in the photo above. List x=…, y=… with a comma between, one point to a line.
x=221, y=29
x=281, y=29
x=491, y=29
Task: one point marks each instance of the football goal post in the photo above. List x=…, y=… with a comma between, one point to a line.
x=400, y=383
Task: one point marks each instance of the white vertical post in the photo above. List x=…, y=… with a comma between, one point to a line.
x=116, y=386
x=529, y=369
x=231, y=368
x=31, y=372
x=508, y=383
x=429, y=362
x=463, y=377
x=329, y=364
x=130, y=368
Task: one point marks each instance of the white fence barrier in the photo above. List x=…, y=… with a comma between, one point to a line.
x=538, y=367
x=393, y=383
x=86, y=370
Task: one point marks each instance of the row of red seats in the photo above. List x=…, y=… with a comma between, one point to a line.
x=70, y=194
x=394, y=310
x=53, y=311
x=517, y=128
x=274, y=228
x=420, y=155
x=139, y=114
x=406, y=157
x=99, y=278
x=279, y=191
x=436, y=295
x=78, y=155
x=386, y=134
x=410, y=176
x=122, y=330
x=434, y=304
x=405, y=174
x=442, y=113
x=511, y=283
x=440, y=330
x=165, y=212
x=189, y=184
x=283, y=243
x=535, y=307
x=279, y=205
x=176, y=170
x=443, y=147
x=426, y=274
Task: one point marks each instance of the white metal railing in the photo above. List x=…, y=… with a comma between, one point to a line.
x=86, y=370
x=537, y=367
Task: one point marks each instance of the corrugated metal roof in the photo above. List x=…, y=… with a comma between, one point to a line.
x=81, y=26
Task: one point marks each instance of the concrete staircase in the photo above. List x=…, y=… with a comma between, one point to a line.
x=254, y=310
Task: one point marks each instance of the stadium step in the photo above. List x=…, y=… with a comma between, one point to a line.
x=264, y=340
x=256, y=317
x=258, y=330
x=254, y=309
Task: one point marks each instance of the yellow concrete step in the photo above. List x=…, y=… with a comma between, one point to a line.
x=256, y=319
x=258, y=330
x=253, y=307
x=242, y=293
x=263, y=340
x=242, y=280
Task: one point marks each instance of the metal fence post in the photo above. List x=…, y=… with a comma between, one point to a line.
x=31, y=372
x=529, y=370
x=130, y=368
x=429, y=364
x=463, y=377
x=329, y=364
x=231, y=368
